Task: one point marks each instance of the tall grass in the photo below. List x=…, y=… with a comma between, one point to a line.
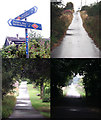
x=8, y=104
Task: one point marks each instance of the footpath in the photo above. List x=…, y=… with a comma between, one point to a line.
x=23, y=107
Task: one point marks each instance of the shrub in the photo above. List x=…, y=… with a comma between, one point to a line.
x=94, y=10
x=60, y=21
x=39, y=48
x=84, y=8
x=46, y=98
x=8, y=104
x=91, y=22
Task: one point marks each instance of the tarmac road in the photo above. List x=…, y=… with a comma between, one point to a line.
x=76, y=43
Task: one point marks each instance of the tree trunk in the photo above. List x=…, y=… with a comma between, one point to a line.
x=41, y=89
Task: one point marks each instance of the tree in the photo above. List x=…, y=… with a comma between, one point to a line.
x=70, y=6
x=9, y=71
x=37, y=70
x=94, y=10
x=85, y=8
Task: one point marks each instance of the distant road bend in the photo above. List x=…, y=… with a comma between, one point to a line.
x=76, y=43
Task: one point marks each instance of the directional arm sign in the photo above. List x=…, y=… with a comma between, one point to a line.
x=24, y=24
x=27, y=13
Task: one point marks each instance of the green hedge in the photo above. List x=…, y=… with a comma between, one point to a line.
x=37, y=49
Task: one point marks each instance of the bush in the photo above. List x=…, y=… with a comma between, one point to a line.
x=84, y=8
x=47, y=90
x=94, y=10
x=8, y=104
x=39, y=48
x=60, y=22
x=46, y=98
x=9, y=51
x=91, y=22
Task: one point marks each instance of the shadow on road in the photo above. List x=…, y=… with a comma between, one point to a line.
x=69, y=34
x=71, y=29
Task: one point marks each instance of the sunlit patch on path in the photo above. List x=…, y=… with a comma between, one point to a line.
x=72, y=92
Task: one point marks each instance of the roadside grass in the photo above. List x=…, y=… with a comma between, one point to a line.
x=8, y=104
x=92, y=26
x=42, y=107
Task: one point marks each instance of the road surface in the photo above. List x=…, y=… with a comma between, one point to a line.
x=74, y=108
x=76, y=43
x=23, y=108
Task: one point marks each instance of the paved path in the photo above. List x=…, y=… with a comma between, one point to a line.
x=74, y=108
x=23, y=108
x=76, y=43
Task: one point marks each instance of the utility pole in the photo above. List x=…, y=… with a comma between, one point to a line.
x=81, y=3
x=85, y=2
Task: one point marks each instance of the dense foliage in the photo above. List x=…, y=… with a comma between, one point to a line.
x=37, y=70
x=93, y=10
x=38, y=48
x=91, y=21
x=69, y=6
x=60, y=21
x=84, y=8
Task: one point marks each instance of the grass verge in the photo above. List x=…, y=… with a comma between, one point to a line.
x=8, y=104
x=42, y=107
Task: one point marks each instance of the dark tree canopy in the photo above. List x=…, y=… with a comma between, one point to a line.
x=61, y=69
x=32, y=69
x=69, y=5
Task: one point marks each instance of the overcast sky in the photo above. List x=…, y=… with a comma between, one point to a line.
x=77, y=3
x=13, y=8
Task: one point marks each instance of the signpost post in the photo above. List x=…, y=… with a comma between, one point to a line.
x=24, y=24
x=26, y=35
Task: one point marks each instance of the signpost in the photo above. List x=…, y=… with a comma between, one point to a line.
x=26, y=36
x=27, y=13
x=24, y=24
